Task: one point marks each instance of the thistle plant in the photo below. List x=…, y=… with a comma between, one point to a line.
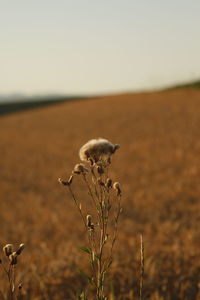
x=8, y=265
x=100, y=216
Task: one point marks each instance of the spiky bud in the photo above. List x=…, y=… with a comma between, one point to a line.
x=89, y=222
x=20, y=249
x=66, y=183
x=100, y=170
x=117, y=187
x=80, y=168
x=62, y=181
x=109, y=183
x=100, y=182
x=8, y=249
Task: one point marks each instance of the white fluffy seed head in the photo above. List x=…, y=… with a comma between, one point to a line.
x=97, y=150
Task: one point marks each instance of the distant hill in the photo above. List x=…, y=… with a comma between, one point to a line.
x=187, y=85
x=14, y=103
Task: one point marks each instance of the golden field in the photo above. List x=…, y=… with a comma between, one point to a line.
x=158, y=166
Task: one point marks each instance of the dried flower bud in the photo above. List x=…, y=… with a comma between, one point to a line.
x=69, y=182
x=62, y=181
x=80, y=168
x=100, y=182
x=89, y=222
x=8, y=249
x=117, y=187
x=20, y=249
x=100, y=170
x=13, y=258
x=109, y=183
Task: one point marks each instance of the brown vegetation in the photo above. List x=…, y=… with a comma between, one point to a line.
x=158, y=166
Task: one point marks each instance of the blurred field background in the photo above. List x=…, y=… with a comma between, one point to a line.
x=158, y=167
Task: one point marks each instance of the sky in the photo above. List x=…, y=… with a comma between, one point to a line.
x=97, y=46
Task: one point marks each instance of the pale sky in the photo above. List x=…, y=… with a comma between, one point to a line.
x=97, y=46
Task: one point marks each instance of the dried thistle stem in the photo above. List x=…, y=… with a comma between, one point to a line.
x=141, y=266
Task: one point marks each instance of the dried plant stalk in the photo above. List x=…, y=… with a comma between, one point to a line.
x=102, y=224
x=9, y=267
x=141, y=266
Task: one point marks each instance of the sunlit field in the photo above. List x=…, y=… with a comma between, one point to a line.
x=158, y=167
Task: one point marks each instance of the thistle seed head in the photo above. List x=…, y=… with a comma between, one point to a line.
x=80, y=168
x=97, y=150
x=8, y=249
x=100, y=170
x=89, y=220
x=117, y=187
x=13, y=258
x=89, y=223
x=62, y=181
x=109, y=183
x=100, y=182
x=20, y=249
x=69, y=182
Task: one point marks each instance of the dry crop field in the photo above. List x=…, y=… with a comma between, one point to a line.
x=158, y=166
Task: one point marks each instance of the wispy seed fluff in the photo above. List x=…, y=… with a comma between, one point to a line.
x=97, y=149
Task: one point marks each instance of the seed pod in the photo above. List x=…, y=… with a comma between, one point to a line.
x=63, y=182
x=80, y=168
x=20, y=249
x=89, y=223
x=8, y=249
x=100, y=170
x=100, y=182
x=117, y=187
x=13, y=258
x=89, y=220
x=109, y=183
